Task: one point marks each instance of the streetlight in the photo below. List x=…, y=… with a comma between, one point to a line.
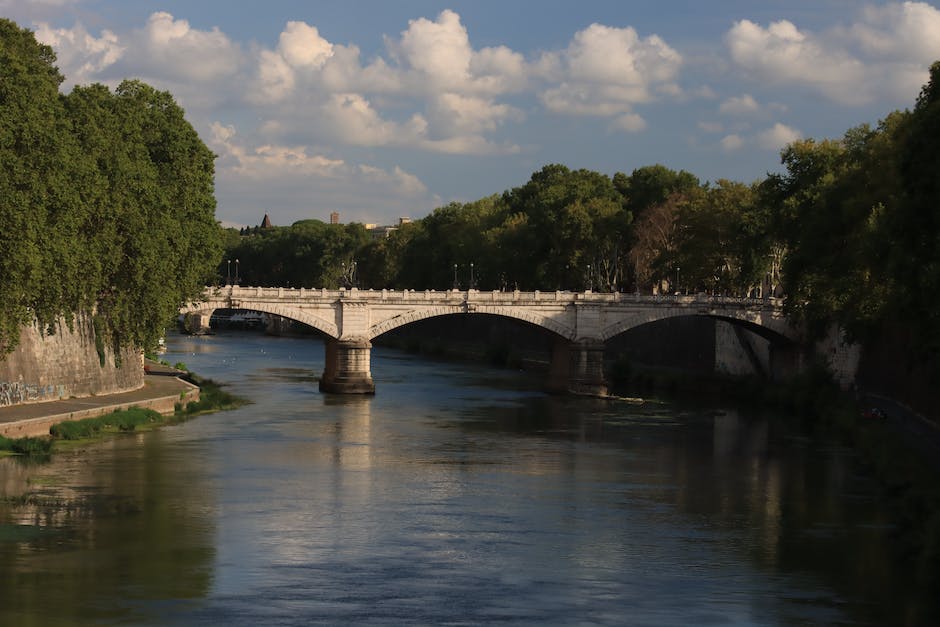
x=590, y=279
x=677, y=279
x=472, y=281
x=355, y=280
x=228, y=272
x=237, y=278
x=456, y=283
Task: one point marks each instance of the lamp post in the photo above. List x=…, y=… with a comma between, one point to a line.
x=590, y=279
x=228, y=272
x=472, y=281
x=355, y=279
x=237, y=278
x=677, y=279
x=456, y=282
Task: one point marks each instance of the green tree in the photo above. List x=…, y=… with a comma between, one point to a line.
x=38, y=270
x=106, y=201
x=912, y=232
x=567, y=214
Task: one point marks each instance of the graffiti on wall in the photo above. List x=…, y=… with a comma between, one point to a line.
x=15, y=392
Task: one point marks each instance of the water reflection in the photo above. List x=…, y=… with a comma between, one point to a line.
x=86, y=539
x=456, y=494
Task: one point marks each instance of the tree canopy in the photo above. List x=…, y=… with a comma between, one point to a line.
x=849, y=232
x=107, y=201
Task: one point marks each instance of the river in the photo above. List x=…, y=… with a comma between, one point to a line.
x=458, y=494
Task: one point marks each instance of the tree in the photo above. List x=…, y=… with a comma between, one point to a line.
x=913, y=231
x=654, y=242
x=106, y=201
x=40, y=264
x=566, y=214
x=651, y=185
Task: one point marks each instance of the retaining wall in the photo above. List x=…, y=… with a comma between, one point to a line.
x=65, y=364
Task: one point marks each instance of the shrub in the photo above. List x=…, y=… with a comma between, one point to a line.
x=122, y=420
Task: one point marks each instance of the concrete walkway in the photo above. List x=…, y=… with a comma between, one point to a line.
x=161, y=392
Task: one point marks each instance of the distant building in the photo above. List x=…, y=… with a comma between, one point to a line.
x=334, y=217
x=404, y=220
x=266, y=222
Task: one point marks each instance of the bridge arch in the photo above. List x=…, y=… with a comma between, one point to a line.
x=528, y=316
x=298, y=315
x=756, y=326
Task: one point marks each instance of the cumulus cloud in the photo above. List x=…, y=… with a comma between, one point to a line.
x=777, y=136
x=302, y=46
x=266, y=161
x=629, y=122
x=452, y=90
x=309, y=185
x=606, y=71
x=169, y=48
x=732, y=142
x=888, y=49
x=739, y=105
x=81, y=56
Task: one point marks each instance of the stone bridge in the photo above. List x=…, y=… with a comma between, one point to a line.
x=581, y=322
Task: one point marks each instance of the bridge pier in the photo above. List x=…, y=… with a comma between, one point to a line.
x=197, y=323
x=347, y=368
x=578, y=368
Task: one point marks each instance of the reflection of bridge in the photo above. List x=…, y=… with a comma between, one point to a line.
x=581, y=322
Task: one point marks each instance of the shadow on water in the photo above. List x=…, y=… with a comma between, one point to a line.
x=86, y=540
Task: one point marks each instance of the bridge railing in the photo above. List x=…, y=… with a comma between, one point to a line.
x=298, y=295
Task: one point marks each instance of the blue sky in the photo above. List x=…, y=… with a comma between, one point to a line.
x=379, y=108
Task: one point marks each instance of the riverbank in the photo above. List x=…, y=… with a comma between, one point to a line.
x=161, y=392
x=166, y=391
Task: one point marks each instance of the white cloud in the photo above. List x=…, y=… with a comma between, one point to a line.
x=168, y=48
x=469, y=114
x=352, y=118
x=302, y=46
x=777, y=136
x=904, y=32
x=732, y=142
x=267, y=161
x=739, y=105
x=448, y=91
x=711, y=127
x=885, y=52
x=605, y=71
x=629, y=122
x=81, y=56
x=308, y=185
x=440, y=50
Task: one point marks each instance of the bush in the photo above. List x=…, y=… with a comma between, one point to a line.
x=122, y=420
x=35, y=447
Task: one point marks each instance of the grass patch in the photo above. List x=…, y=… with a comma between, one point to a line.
x=67, y=434
x=123, y=420
x=212, y=397
x=26, y=446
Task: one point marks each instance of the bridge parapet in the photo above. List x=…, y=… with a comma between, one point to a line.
x=324, y=294
x=581, y=321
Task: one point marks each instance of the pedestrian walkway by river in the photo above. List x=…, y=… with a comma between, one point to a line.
x=161, y=391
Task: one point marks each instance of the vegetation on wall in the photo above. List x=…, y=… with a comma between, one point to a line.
x=107, y=202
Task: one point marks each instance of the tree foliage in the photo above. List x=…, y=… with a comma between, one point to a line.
x=106, y=201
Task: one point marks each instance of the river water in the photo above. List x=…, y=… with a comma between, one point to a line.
x=458, y=494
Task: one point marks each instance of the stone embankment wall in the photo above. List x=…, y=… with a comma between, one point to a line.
x=65, y=364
